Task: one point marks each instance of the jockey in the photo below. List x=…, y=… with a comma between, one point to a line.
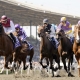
x=64, y=25
x=50, y=32
x=22, y=35
x=8, y=26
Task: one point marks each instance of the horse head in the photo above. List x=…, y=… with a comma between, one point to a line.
x=77, y=34
x=1, y=28
x=41, y=31
x=61, y=34
x=23, y=48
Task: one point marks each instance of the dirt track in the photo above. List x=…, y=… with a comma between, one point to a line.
x=37, y=75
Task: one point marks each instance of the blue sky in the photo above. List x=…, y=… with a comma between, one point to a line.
x=71, y=7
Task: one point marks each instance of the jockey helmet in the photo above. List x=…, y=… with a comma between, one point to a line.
x=3, y=18
x=17, y=26
x=63, y=19
x=79, y=22
x=45, y=21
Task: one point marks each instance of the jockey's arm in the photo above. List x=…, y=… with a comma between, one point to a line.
x=24, y=33
x=52, y=33
x=12, y=28
x=58, y=28
x=69, y=31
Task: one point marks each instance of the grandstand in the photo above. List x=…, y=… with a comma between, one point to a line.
x=26, y=15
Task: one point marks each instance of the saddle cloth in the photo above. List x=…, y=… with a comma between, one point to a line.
x=30, y=46
x=17, y=44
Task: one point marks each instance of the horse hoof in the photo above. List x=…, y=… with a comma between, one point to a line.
x=51, y=67
x=52, y=76
x=73, y=68
x=45, y=66
x=60, y=67
x=70, y=75
x=7, y=67
x=31, y=67
x=25, y=68
x=58, y=76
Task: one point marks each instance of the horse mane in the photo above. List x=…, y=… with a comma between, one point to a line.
x=1, y=29
x=39, y=28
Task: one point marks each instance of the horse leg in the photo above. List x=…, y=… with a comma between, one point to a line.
x=51, y=66
x=24, y=63
x=31, y=56
x=69, y=60
x=57, y=60
x=79, y=66
x=78, y=60
x=7, y=58
x=72, y=61
x=47, y=61
x=79, y=72
x=64, y=62
x=41, y=58
x=69, y=73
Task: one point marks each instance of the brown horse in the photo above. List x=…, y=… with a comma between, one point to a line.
x=76, y=45
x=65, y=50
x=6, y=46
x=21, y=54
x=47, y=49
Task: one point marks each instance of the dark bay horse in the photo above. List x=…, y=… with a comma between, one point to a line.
x=21, y=54
x=76, y=45
x=6, y=46
x=65, y=50
x=47, y=49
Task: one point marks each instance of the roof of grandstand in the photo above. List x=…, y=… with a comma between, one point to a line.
x=25, y=14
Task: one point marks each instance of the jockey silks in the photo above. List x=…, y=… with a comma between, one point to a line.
x=66, y=27
x=47, y=28
x=22, y=35
x=7, y=24
x=50, y=29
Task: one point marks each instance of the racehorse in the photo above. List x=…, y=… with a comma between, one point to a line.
x=76, y=46
x=21, y=54
x=6, y=46
x=47, y=49
x=65, y=50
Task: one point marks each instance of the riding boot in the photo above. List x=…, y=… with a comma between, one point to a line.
x=12, y=36
x=53, y=42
